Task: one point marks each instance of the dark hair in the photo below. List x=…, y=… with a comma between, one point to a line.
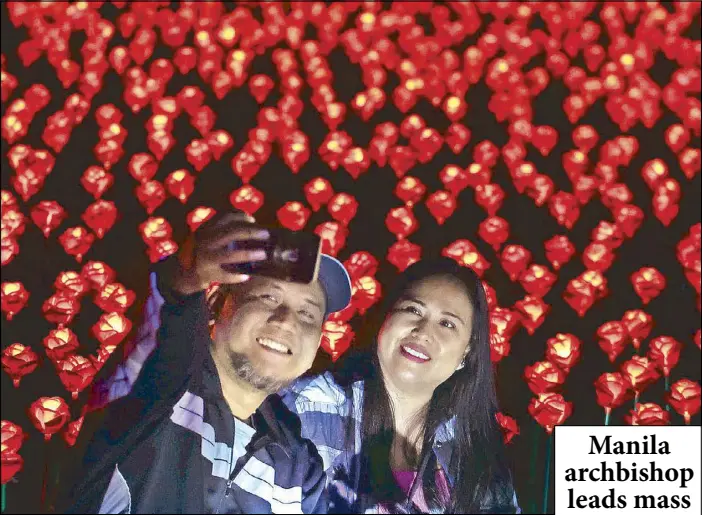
x=478, y=464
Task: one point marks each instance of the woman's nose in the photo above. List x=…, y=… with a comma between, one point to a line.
x=420, y=329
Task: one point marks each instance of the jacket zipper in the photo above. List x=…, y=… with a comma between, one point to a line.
x=230, y=482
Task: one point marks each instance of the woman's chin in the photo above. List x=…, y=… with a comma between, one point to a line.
x=409, y=378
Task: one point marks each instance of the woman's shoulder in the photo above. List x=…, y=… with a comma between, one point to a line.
x=319, y=389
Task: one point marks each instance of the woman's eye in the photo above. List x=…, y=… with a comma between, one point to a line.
x=412, y=309
x=267, y=297
x=448, y=324
x=307, y=315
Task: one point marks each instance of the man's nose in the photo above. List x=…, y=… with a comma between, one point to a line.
x=283, y=316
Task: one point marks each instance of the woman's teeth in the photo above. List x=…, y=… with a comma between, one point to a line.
x=273, y=345
x=415, y=353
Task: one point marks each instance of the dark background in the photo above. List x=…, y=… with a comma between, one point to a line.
x=41, y=260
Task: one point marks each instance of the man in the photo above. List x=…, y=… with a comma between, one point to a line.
x=195, y=429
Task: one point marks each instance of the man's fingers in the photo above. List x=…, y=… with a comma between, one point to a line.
x=238, y=233
x=236, y=257
x=230, y=278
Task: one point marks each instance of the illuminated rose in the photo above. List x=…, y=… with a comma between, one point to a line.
x=111, y=328
x=532, y=311
x=550, y=410
x=60, y=343
x=13, y=298
x=11, y=464
x=18, y=361
x=49, y=415
x=336, y=338
x=639, y=372
x=509, y=426
x=76, y=372
x=612, y=390
x=638, y=324
x=361, y=264
x=563, y=350
x=665, y=352
x=544, y=376
x=648, y=414
x=684, y=397
x=613, y=337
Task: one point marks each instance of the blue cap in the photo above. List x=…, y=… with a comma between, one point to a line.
x=336, y=283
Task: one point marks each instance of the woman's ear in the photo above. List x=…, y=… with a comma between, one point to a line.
x=468, y=349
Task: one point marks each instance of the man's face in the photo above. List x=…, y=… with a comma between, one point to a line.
x=269, y=331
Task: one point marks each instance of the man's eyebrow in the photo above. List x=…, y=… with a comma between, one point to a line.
x=417, y=301
x=314, y=303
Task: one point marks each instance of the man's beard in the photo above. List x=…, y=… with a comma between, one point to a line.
x=244, y=370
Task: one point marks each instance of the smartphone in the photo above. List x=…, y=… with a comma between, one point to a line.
x=291, y=256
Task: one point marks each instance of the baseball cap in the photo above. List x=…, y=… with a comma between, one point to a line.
x=335, y=282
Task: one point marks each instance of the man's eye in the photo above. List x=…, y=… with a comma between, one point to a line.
x=267, y=297
x=308, y=315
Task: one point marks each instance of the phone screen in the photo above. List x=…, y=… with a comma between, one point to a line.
x=291, y=256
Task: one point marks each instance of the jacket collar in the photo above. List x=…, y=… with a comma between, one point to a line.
x=443, y=448
x=274, y=423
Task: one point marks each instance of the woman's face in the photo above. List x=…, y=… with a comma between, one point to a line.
x=425, y=335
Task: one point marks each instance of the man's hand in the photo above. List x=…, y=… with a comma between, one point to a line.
x=201, y=257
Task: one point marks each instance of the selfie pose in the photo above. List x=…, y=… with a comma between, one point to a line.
x=407, y=423
x=192, y=423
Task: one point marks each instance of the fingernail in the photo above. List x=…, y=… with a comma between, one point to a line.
x=262, y=234
x=258, y=254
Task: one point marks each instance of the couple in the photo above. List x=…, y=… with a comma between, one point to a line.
x=208, y=414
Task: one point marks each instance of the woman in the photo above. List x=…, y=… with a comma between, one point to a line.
x=408, y=425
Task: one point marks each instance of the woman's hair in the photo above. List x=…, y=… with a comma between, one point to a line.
x=478, y=462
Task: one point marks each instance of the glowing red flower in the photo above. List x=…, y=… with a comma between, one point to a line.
x=49, y=414
x=18, y=361
x=550, y=410
x=684, y=397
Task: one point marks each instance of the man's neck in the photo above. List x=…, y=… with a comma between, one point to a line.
x=241, y=397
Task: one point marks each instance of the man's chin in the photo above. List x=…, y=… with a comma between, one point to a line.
x=260, y=376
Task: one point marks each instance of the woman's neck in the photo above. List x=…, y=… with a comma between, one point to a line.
x=407, y=409
x=409, y=416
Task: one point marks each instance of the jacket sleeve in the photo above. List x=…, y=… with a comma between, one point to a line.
x=314, y=488
x=323, y=410
x=182, y=338
x=148, y=369
x=121, y=381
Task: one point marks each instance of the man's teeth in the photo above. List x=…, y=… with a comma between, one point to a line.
x=273, y=345
x=415, y=353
